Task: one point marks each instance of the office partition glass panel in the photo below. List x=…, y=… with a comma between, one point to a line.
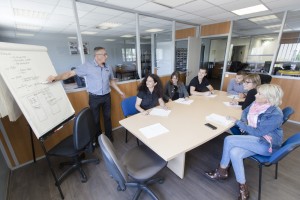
x=288, y=57
x=156, y=41
x=115, y=31
x=253, y=43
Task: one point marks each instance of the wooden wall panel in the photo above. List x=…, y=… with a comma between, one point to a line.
x=215, y=29
x=185, y=33
x=289, y=87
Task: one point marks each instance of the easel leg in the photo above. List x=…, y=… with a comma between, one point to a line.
x=32, y=144
x=57, y=183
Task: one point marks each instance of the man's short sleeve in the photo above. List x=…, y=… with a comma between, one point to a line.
x=81, y=70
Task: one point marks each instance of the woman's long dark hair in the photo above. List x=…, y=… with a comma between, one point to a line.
x=176, y=73
x=158, y=89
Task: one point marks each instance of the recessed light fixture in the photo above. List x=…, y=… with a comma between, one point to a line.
x=72, y=38
x=88, y=33
x=250, y=10
x=30, y=13
x=110, y=40
x=277, y=26
x=154, y=30
x=108, y=25
x=127, y=36
x=264, y=19
x=28, y=27
x=25, y=34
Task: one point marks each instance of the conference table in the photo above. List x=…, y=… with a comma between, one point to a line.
x=186, y=129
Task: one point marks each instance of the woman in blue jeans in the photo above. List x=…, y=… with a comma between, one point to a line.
x=261, y=123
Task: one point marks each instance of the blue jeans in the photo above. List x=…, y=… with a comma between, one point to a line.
x=238, y=147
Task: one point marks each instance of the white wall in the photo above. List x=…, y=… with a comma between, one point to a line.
x=60, y=56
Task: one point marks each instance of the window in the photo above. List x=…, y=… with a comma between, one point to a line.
x=129, y=55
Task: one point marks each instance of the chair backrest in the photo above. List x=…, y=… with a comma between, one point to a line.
x=128, y=106
x=84, y=129
x=265, y=78
x=287, y=112
x=112, y=163
x=288, y=146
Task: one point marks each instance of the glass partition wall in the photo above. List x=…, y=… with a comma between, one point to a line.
x=254, y=42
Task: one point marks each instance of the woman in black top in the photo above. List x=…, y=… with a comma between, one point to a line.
x=175, y=89
x=149, y=94
x=251, y=82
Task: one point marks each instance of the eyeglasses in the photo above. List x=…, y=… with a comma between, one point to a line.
x=247, y=82
x=102, y=54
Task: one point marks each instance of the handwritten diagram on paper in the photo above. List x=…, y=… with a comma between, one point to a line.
x=43, y=105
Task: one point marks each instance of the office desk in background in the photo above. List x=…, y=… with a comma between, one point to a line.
x=289, y=73
x=186, y=128
x=121, y=72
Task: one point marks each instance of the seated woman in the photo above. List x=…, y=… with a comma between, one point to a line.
x=236, y=87
x=175, y=89
x=149, y=94
x=261, y=122
x=251, y=81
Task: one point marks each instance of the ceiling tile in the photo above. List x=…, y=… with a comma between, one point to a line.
x=239, y=4
x=127, y=4
x=195, y=5
x=151, y=8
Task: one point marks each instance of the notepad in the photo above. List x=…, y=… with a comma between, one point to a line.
x=160, y=112
x=233, y=96
x=183, y=101
x=228, y=104
x=218, y=119
x=212, y=95
x=153, y=130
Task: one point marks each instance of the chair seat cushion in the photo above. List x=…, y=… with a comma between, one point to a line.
x=142, y=163
x=64, y=148
x=261, y=159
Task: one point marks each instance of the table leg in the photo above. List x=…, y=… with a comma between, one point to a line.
x=177, y=165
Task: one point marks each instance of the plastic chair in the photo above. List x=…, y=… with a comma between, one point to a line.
x=139, y=165
x=287, y=112
x=287, y=147
x=128, y=108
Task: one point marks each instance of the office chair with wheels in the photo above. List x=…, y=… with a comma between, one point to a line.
x=128, y=108
x=287, y=147
x=74, y=146
x=287, y=112
x=139, y=165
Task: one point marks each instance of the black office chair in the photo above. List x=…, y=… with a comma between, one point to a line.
x=139, y=165
x=74, y=146
x=265, y=78
x=287, y=112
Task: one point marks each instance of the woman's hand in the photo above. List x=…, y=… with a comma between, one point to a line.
x=146, y=112
x=186, y=98
x=234, y=102
x=164, y=107
x=233, y=119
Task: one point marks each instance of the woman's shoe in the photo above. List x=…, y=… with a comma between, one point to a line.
x=218, y=174
x=244, y=192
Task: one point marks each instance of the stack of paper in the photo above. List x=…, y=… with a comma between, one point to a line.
x=228, y=104
x=219, y=119
x=212, y=95
x=160, y=112
x=153, y=130
x=233, y=96
x=183, y=101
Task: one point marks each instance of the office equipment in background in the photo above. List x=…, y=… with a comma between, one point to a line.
x=80, y=81
x=132, y=172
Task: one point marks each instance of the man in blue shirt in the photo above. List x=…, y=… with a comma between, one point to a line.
x=236, y=87
x=99, y=77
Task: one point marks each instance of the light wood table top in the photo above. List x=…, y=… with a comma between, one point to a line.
x=185, y=124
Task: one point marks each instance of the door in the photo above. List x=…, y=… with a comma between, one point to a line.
x=193, y=58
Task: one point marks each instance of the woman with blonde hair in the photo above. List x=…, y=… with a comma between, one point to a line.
x=261, y=123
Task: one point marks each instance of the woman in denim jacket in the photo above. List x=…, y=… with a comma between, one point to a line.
x=261, y=123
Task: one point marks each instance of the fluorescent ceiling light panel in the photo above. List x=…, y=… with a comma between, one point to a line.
x=110, y=24
x=110, y=40
x=30, y=13
x=127, y=36
x=277, y=26
x=154, y=30
x=264, y=19
x=250, y=10
x=28, y=27
x=88, y=33
x=25, y=34
x=72, y=37
x=172, y=3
